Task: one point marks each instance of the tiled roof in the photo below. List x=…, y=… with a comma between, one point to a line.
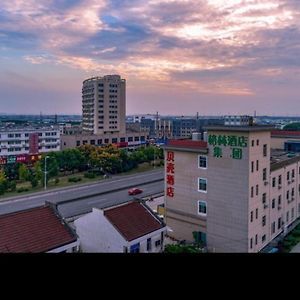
x=285, y=133
x=132, y=220
x=34, y=230
x=187, y=143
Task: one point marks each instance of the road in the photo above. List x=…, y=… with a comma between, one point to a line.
x=69, y=198
x=76, y=208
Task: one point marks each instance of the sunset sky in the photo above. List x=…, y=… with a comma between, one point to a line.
x=178, y=56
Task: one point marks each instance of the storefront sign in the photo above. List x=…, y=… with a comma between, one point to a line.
x=170, y=174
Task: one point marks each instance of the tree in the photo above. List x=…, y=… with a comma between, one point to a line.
x=23, y=172
x=3, y=182
x=292, y=126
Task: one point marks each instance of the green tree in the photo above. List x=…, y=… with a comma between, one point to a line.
x=3, y=182
x=292, y=126
x=23, y=172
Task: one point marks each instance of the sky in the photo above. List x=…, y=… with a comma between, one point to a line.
x=178, y=57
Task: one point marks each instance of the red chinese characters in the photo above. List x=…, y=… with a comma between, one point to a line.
x=170, y=168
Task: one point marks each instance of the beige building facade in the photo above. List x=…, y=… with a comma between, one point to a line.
x=232, y=192
x=104, y=105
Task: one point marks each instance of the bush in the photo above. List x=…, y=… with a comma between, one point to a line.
x=34, y=182
x=89, y=175
x=74, y=179
x=56, y=181
x=22, y=189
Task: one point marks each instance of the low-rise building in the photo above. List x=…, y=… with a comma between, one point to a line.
x=233, y=192
x=36, y=230
x=131, y=227
x=15, y=141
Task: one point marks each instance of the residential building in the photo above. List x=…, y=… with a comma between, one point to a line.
x=104, y=105
x=130, y=227
x=36, y=230
x=233, y=192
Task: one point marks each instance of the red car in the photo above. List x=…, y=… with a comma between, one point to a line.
x=134, y=191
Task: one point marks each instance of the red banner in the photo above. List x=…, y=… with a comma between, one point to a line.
x=33, y=143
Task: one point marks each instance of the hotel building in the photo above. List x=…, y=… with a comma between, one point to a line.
x=233, y=191
x=104, y=105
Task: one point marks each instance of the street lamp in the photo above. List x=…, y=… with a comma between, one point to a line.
x=45, y=178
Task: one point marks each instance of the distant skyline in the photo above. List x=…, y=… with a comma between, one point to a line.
x=179, y=57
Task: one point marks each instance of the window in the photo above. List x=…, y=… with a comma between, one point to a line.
x=257, y=165
x=264, y=221
x=287, y=216
x=288, y=195
x=202, y=161
x=157, y=243
x=273, y=181
x=149, y=244
x=252, y=143
x=265, y=150
x=136, y=138
x=257, y=190
x=264, y=174
x=293, y=211
x=130, y=139
x=288, y=175
x=99, y=142
x=264, y=198
x=279, y=180
x=251, y=216
x=202, y=208
x=251, y=243
x=273, y=227
x=293, y=173
x=256, y=213
x=202, y=185
x=252, y=191
x=106, y=141
x=92, y=142
x=257, y=142
x=114, y=140
x=273, y=203
x=122, y=139
x=252, y=166
x=279, y=223
x=256, y=239
x=263, y=238
x=279, y=202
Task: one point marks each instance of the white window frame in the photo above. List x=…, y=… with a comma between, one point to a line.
x=202, y=191
x=199, y=162
x=198, y=205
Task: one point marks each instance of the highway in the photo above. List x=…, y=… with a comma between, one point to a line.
x=80, y=199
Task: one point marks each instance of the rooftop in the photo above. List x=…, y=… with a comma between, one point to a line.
x=33, y=231
x=187, y=145
x=242, y=128
x=133, y=220
x=281, y=158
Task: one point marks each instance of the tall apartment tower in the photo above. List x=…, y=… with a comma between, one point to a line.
x=104, y=105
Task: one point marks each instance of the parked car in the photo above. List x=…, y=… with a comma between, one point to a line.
x=134, y=191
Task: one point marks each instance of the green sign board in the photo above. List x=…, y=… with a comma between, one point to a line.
x=237, y=143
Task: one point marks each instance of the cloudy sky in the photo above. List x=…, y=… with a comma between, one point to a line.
x=178, y=56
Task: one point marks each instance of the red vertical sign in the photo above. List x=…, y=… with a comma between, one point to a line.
x=33, y=143
x=170, y=174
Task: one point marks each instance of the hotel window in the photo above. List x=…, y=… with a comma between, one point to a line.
x=264, y=198
x=273, y=203
x=279, y=201
x=273, y=181
x=257, y=142
x=288, y=195
x=256, y=239
x=251, y=243
x=114, y=140
x=251, y=216
x=252, y=143
x=279, y=223
x=106, y=141
x=252, y=166
x=264, y=174
x=273, y=227
x=257, y=190
x=99, y=142
x=293, y=173
x=202, y=162
x=293, y=211
x=252, y=191
x=263, y=238
x=264, y=221
x=157, y=243
x=257, y=165
x=288, y=175
x=256, y=213
x=279, y=180
x=265, y=150
x=202, y=185
x=202, y=208
x=293, y=192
